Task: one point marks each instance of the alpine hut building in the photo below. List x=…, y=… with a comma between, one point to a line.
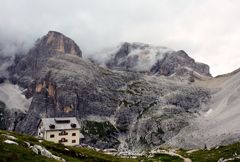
x=60, y=130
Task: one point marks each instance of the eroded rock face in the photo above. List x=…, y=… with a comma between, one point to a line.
x=5, y=61
x=73, y=88
x=10, y=117
x=100, y=134
x=137, y=110
x=26, y=68
x=179, y=63
x=155, y=60
x=2, y=115
x=56, y=42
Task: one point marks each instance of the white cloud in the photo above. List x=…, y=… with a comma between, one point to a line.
x=208, y=30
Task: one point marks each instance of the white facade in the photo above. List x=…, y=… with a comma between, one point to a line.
x=60, y=130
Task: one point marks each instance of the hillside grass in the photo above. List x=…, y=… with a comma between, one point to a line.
x=21, y=152
x=214, y=154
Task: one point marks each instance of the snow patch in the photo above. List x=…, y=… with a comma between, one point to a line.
x=208, y=112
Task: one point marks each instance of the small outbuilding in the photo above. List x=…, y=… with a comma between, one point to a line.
x=60, y=130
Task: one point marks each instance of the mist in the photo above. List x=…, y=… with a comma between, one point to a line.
x=208, y=30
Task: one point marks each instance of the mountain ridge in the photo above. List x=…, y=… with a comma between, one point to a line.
x=153, y=60
x=68, y=85
x=139, y=109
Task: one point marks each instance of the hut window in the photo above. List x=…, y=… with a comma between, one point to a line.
x=63, y=140
x=73, y=125
x=63, y=132
x=51, y=126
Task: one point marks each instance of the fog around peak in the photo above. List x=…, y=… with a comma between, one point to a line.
x=207, y=30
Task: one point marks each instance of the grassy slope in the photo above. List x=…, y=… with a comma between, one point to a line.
x=21, y=153
x=10, y=152
x=214, y=155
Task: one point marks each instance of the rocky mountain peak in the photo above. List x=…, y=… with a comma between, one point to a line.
x=155, y=60
x=136, y=56
x=27, y=67
x=59, y=43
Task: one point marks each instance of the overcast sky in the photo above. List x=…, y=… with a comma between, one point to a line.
x=208, y=30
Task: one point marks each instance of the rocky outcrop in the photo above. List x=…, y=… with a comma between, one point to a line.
x=39, y=150
x=10, y=117
x=5, y=61
x=155, y=60
x=56, y=42
x=100, y=134
x=26, y=68
x=2, y=115
x=179, y=63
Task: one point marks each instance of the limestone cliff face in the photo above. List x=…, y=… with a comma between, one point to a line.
x=58, y=43
x=27, y=67
x=124, y=110
x=5, y=61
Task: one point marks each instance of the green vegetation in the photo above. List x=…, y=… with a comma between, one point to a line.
x=167, y=158
x=102, y=129
x=214, y=155
x=22, y=153
x=103, y=134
